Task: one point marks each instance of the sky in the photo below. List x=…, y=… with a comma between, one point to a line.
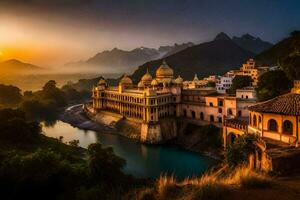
x=55, y=32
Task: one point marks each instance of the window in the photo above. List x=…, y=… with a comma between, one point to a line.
x=239, y=113
x=193, y=114
x=184, y=113
x=254, y=121
x=201, y=116
x=211, y=118
x=272, y=125
x=220, y=103
x=220, y=110
x=229, y=111
x=211, y=104
x=246, y=96
x=288, y=127
x=220, y=119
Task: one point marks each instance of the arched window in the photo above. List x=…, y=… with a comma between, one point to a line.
x=211, y=118
x=229, y=111
x=272, y=124
x=201, y=116
x=288, y=127
x=254, y=121
x=193, y=114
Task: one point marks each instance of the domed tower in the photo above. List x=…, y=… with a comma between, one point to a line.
x=146, y=79
x=179, y=80
x=164, y=71
x=125, y=82
x=141, y=85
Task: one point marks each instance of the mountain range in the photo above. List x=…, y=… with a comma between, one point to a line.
x=118, y=59
x=251, y=43
x=214, y=57
x=16, y=67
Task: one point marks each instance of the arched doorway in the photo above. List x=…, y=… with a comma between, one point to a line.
x=202, y=116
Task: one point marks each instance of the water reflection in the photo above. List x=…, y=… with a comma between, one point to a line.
x=142, y=160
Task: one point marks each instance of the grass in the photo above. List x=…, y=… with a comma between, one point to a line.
x=211, y=185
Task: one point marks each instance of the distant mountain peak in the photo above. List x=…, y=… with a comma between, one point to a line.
x=252, y=43
x=247, y=36
x=15, y=66
x=222, y=36
x=12, y=61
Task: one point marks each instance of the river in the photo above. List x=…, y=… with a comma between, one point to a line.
x=144, y=161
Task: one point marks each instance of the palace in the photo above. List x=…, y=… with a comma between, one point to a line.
x=153, y=102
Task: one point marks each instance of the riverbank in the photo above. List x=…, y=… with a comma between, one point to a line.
x=76, y=116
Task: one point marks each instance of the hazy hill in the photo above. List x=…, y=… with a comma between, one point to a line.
x=281, y=50
x=214, y=57
x=118, y=60
x=14, y=66
x=251, y=43
x=169, y=50
x=285, y=54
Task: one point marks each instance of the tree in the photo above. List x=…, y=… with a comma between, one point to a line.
x=272, y=84
x=238, y=152
x=291, y=65
x=10, y=95
x=51, y=92
x=211, y=84
x=104, y=165
x=239, y=82
x=14, y=127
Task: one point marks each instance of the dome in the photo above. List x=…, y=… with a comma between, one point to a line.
x=154, y=82
x=102, y=82
x=147, y=77
x=178, y=80
x=141, y=84
x=126, y=80
x=164, y=71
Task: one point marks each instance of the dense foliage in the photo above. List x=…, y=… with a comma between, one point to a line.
x=238, y=152
x=34, y=166
x=291, y=65
x=280, y=51
x=9, y=95
x=205, y=137
x=239, y=82
x=14, y=128
x=272, y=84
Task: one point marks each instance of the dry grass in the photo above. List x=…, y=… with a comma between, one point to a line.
x=212, y=185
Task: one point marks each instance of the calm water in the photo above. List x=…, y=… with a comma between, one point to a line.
x=142, y=160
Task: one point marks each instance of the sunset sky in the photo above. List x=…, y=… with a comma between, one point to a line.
x=55, y=32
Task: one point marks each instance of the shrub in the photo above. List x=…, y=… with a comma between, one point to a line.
x=238, y=152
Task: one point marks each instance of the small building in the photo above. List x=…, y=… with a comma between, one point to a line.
x=246, y=93
x=277, y=119
x=224, y=84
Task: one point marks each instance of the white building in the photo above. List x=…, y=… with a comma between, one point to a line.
x=224, y=84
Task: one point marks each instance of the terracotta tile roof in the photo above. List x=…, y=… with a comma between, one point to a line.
x=288, y=104
x=238, y=123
